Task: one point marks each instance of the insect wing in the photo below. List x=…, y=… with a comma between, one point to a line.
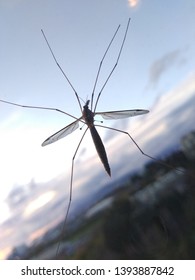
x=61, y=133
x=114, y=115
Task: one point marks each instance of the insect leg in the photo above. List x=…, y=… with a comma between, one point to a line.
x=143, y=153
x=100, y=66
x=38, y=107
x=62, y=71
x=114, y=65
x=70, y=193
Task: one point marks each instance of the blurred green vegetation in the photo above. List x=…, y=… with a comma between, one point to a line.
x=151, y=216
x=128, y=229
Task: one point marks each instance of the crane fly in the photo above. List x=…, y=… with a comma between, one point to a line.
x=87, y=118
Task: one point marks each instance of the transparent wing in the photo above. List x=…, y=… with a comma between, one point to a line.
x=114, y=115
x=61, y=133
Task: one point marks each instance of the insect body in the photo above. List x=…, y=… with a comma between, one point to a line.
x=89, y=119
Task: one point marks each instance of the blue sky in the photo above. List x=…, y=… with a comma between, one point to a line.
x=157, y=63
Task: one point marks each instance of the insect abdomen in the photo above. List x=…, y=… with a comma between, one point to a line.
x=100, y=149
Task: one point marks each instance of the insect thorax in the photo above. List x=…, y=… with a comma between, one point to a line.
x=88, y=114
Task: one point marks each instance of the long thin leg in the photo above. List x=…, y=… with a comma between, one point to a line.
x=64, y=74
x=100, y=66
x=43, y=108
x=143, y=153
x=114, y=65
x=70, y=192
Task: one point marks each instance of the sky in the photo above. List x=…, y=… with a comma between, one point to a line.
x=156, y=72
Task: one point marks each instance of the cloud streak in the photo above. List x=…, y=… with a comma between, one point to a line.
x=162, y=65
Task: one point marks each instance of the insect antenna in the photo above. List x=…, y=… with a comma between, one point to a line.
x=62, y=71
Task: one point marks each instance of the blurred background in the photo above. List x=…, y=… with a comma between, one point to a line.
x=145, y=210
